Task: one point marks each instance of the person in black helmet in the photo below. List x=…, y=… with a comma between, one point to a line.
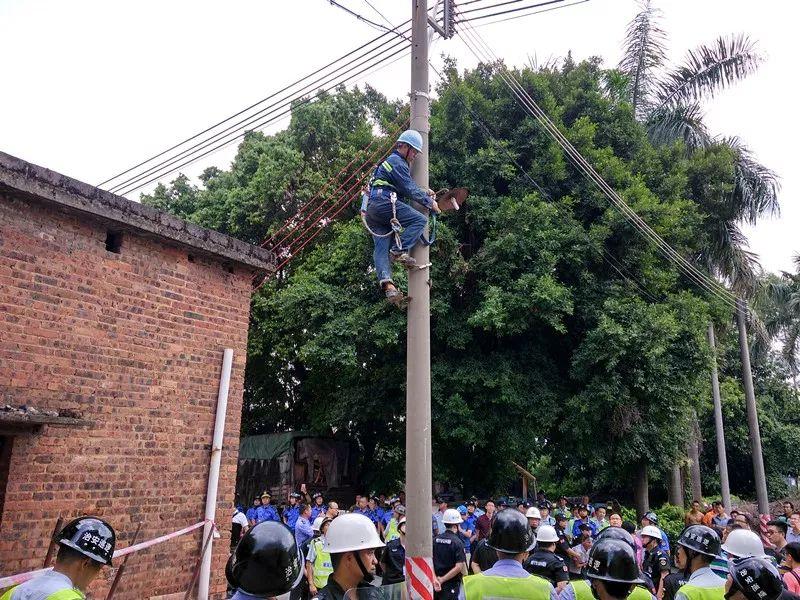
x=612, y=571
x=512, y=539
x=449, y=558
x=85, y=546
x=752, y=578
x=698, y=545
x=266, y=563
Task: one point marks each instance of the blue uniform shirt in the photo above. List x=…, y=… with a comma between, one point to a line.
x=252, y=513
x=398, y=176
x=291, y=515
x=468, y=524
x=303, y=531
x=317, y=511
x=576, y=532
x=267, y=513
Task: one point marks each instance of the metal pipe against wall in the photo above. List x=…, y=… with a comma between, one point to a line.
x=213, y=472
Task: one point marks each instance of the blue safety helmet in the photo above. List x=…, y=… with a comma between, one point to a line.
x=412, y=138
x=462, y=509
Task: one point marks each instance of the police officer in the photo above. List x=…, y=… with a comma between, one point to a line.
x=351, y=541
x=449, y=558
x=544, y=561
x=698, y=545
x=612, y=570
x=318, y=560
x=655, y=562
x=85, y=545
x=318, y=507
x=394, y=556
x=292, y=513
x=392, y=531
x=753, y=578
x=644, y=587
x=651, y=518
x=252, y=512
x=266, y=563
x=267, y=512
x=512, y=539
x=544, y=511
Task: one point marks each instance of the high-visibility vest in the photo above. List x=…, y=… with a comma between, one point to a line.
x=391, y=532
x=481, y=586
x=322, y=565
x=581, y=589
x=693, y=592
x=65, y=594
x=639, y=593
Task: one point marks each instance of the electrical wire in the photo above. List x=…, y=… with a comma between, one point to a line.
x=704, y=281
x=507, y=2
x=244, y=110
x=537, y=12
x=225, y=138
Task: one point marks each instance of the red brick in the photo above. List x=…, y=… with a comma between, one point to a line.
x=132, y=341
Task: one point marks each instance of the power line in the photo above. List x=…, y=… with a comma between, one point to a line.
x=704, y=281
x=244, y=110
x=282, y=108
x=537, y=12
x=507, y=2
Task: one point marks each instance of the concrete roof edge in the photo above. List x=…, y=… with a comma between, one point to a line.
x=74, y=195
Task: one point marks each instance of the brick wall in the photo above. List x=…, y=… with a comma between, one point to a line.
x=132, y=341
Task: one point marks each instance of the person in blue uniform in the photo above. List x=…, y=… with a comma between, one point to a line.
x=393, y=177
x=583, y=519
x=292, y=513
x=467, y=529
x=319, y=507
x=252, y=512
x=267, y=512
x=376, y=511
x=303, y=530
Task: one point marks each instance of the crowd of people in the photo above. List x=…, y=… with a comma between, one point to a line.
x=565, y=539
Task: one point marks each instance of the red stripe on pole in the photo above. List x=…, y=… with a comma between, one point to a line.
x=419, y=573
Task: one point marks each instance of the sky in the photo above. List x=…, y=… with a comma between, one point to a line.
x=92, y=87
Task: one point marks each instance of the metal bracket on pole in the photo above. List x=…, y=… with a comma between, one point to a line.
x=447, y=29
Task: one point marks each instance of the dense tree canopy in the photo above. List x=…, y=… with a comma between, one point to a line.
x=559, y=334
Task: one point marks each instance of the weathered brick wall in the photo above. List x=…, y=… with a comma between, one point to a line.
x=133, y=341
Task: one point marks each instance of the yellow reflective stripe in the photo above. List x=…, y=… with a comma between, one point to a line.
x=385, y=164
x=382, y=182
x=7, y=595
x=66, y=594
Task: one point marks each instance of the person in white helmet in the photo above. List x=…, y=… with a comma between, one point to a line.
x=740, y=542
x=656, y=562
x=545, y=562
x=449, y=558
x=318, y=561
x=351, y=541
x=534, y=518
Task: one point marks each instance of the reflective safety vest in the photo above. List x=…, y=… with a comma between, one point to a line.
x=391, y=532
x=639, y=593
x=532, y=587
x=65, y=594
x=322, y=565
x=693, y=592
x=582, y=590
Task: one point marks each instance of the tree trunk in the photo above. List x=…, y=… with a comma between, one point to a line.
x=641, y=492
x=694, y=458
x=675, y=487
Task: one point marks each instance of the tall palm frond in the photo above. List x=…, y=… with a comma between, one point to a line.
x=756, y=191
x=643, y=53
x=729, y=259
x=669, y=124
x=707, y=70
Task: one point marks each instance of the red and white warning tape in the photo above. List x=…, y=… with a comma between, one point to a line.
x=419, y=572
x=10, y=580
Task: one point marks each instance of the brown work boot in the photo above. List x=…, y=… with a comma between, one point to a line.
x=393, y=295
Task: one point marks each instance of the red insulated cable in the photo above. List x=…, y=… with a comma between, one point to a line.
x=289, y=221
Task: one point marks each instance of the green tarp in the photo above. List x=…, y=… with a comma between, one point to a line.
x=269, y=445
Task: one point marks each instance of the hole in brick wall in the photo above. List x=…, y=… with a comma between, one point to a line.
x=114, y=241
x=190, y=257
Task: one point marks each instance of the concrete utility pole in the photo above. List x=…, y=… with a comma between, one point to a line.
x=419, y=540
x=752, y=411
x=722, y=457
x=693, y=451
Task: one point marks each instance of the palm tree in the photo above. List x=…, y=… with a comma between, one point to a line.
x=779, y=305
x=668, y=101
